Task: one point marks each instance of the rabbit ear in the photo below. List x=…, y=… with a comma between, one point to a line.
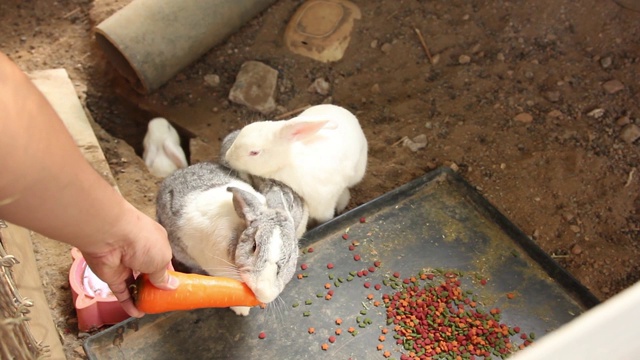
x=299, y=130
x=246, y=204
x=175, y=153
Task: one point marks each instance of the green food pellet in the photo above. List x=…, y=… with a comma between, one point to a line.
x=306, y=313
x=353, y=273
x=363, y=312
x=336, y=283
x=341, y=279
x=319, y=295
x=358, y=319
x=354, y=333
x=362, y=325
x=308, y=302
x=532, y=336
x=305, y=275
x=295, y=304
x=349, y=278
x=331, y=276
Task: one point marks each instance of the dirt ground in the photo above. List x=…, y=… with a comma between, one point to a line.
x=517, y=99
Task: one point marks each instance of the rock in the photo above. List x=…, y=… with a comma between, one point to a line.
x=574, y=228
x=556, y=114
x=464, y=59
x=606, y=62
x=386, y=48
x=623, y=120
x=553, y=96
x=613, y=86
x=255, y=87
x=435, y=59
x=320, y=86
x=567, y=216
x=576, y=249
x=375, y=89
x=212, y=80
x=596, y=113
x=500, y=57
x=524, y=118
x=454, y=167
x=416, y=143
x=630, y=133
x=374, y=44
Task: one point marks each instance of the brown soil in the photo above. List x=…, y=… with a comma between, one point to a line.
x=566, y=178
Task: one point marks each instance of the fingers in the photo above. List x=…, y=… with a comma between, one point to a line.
x=121, y=292
x=163, y=280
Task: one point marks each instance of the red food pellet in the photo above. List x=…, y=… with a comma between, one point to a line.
x=330, y=266
x=516, y=329
x=396, y=274
x=356, y=257
x=363, y=220
x=332, y=339
x=377, y=286
x=310, y=250
x=483, y=282
x=262, y=335
x=345, y=236
x=351, y=247
x=377, y=263
x=372, y=269
x=330, y=292
x=359, y=273
x=365, y=273
x=367, y=284
x=303, y=266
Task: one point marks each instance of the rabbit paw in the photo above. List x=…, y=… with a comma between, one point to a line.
x=241, y=310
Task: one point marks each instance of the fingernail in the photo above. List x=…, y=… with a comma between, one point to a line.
x=173, y=282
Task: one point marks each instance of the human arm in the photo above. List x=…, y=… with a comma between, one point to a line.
x=46, y=185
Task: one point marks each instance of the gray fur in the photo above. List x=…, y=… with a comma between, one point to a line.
x=190, y=198
x=276, y=192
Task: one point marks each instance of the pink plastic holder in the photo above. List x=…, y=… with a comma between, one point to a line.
x=95, y=304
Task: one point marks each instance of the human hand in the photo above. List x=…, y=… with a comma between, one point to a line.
x=142, y=247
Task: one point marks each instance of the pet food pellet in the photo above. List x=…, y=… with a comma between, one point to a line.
x=262, y=335
x=332, y=339
x=311, y=330
x=356, y=257
x=363, y=220
x=303, y=266
x=330, y=266
x=345, y=236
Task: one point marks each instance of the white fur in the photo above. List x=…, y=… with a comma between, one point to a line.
x=209, y=222
x=162, y=152
x=320, y=154
x=263, y=286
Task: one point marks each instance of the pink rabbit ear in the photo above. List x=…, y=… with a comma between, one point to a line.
x=303, y=129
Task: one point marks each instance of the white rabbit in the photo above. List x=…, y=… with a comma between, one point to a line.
x=219, y=225
x=162, y=152
x=320, y=154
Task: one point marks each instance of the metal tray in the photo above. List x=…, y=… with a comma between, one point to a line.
x=435, y=222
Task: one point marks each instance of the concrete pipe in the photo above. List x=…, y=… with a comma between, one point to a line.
x=150, y=41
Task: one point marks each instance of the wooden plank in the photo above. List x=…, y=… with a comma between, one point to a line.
x=57, y=87
x=17, y=242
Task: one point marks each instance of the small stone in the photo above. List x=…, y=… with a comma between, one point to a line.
x=255, y=87
x=374, y=44
x=596, y=113
x=454, y=167
x=320, y=86
x=375, y=89
x=576, y=249
x=574, y=228
x=416, y=143
x=464, y=59
x=623, y=120
x=630, y=133
x=613, y=86
x=212, y=80
x=524, y=118
x=500, y=57
x=556, y=114
x=567, y=216
x=553, y=96
x=606, y=61
x=605, y=290
x=386, y=48
x=435, y=59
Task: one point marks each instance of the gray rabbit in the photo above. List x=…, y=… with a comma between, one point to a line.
x=272, y=188
x=219, y=225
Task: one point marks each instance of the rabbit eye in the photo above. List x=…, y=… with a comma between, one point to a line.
x=254, y=153
x=255, y=247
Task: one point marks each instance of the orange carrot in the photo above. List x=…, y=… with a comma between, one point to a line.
x=194, y=292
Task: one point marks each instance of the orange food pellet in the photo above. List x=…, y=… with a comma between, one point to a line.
x=381, y=338
x=386, y=354
x=370, y=296
x=385, y=330
x=300, y=276
x=338, y=331
x=338, y=321
x=327, y=286
x=511, y=295
x=325, y=346
x=327, y=297
x=376, y=303
x=351, y=329
x=380, y=347
x=263, y=306
x=312, y=330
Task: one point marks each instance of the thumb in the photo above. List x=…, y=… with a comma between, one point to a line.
x=163, y=280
